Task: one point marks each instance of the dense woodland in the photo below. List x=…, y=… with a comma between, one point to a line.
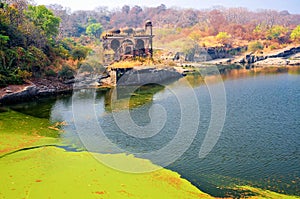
x=239, y=22
x=30, y=46
x=38, y=41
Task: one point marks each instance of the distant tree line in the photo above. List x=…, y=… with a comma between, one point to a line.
x=51, y=40
x=238, y=22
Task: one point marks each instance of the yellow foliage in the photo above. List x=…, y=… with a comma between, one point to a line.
x=126, y=64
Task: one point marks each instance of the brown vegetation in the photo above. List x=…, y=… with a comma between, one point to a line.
x=33, y=47
x=240, y=23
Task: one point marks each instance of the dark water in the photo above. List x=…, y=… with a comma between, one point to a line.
x=259, y=144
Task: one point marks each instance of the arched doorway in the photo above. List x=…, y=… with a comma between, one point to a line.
x=128, y=50
x=128, y=47
x=115, y=45
x=140, y=47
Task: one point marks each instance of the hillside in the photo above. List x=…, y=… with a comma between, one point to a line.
x=51, y=41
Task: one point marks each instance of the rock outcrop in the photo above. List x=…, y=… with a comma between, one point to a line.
x=204, y=54
x=37, y=88
x=281, y=57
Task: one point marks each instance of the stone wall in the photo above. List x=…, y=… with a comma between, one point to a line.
x=143, y=76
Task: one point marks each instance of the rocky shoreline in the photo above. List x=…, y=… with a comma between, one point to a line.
x=53, y=86
x=33, y=89
x=289, y=56
x=37, y=88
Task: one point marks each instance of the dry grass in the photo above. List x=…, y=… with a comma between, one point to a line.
x=132, y=63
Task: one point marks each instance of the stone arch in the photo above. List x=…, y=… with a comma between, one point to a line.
x=127, y=42
x=115, y=44
x=140, y=47
x=128, y=46
x=128, y=50
x=140, y=44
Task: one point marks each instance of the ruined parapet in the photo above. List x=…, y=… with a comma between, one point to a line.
x=139, y=31
x=128, y=42
x=127, y=31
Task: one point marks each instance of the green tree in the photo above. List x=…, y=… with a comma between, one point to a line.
x=259, y=31
x=94, y=29
x=277, y=32
x=295, y=35
x=255, y=46
x=44, y=19
x=3, y=40
x=195, y=36
x=223, y=38
x=66, y=72
x=79, y=53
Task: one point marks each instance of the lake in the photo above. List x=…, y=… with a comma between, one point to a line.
x=248, y=126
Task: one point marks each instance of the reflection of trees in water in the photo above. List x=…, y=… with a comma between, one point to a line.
x=42, y=107
x=194, y=79
x=142, y=95
x=294, y=70
x=242, y=73
x=234, y=72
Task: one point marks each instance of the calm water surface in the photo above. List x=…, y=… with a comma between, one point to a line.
x=259, y=144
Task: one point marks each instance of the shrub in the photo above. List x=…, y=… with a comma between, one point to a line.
x=50, y=73
x=255, y=46
x=61, y=51
x=295, y=35
x=273, y=47
x=223, y=38
x=37, y=59
x=66, y=72
x=10, y=79
x=79, y=53
x=23, y=74
x=277, y=33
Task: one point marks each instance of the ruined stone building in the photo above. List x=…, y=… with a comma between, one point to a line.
x=120, y=44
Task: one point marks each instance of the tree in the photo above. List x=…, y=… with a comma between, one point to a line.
x=259, y=31
x=195, y=36
x=44, y=19
x=277, y=32
x=217, y=21
x=135, y=17
x=3, y=40
x=125, y=9
x=223, y=38
x=94, y=29
x=79, y=53
x=255, y=46
x=295, y=35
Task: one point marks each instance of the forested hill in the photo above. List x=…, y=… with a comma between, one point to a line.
x=180, y=29
x=30, y=46
x=52, y=41
x=236, y=21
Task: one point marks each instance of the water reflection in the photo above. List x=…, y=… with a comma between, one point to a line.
x=259, y=145
x=117, y=98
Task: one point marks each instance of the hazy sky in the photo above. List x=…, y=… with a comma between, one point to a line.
x=293, y=6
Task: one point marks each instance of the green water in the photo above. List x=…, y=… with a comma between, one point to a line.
x=259, y=144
